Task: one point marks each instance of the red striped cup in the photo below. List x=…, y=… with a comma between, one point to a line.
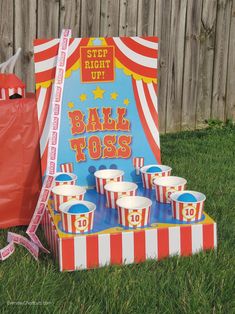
x=102, y=177
x=138, y=162
x=186, y=211
x=115, y=190
x=72, y=181
x=165, y=186
x=63, y=193
x=77, y=222
x=134, y=211
x=148, y=177
x=66, y=167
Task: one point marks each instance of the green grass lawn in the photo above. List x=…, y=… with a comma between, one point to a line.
x=203, y=283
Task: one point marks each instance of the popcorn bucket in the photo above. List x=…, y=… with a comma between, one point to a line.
x=65, y=178
x=63, y=193
x=115, y=190
x=138, y=162
x=102, y=177
x=187, y=208
x=165, y=186
x=79, y=220
x=66, y=167
x=134, y=211
x=150, y=172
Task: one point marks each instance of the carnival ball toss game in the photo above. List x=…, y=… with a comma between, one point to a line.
x=98, y=122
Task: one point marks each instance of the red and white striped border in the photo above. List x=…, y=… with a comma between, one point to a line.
x=45, y=58
x=147, y=106
x=139, y=55
x=92, y=251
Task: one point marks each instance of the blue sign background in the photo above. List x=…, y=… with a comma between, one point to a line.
x=122, y=85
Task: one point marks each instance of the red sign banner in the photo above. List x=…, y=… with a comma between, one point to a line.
x=97, y=64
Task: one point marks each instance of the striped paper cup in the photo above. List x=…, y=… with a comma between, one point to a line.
x=134, y=211
x=63, y=193
x=187, y=211
x=66, y=167
x=115, y=190
x=77, y=222
x=102, y=177
x=71, y=181
x=165, y=186
x=138, y=162
x=148, y=177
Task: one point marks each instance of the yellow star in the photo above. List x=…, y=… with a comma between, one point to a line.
x=70, y=105
x=113, y=96
x=126, y=101
x=98, y=92
x=83, y=97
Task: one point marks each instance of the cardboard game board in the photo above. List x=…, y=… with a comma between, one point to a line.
x=109, y=119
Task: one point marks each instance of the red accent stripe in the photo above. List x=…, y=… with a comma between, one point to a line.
x=163, y=242
x=68, y=254
x=139, y=246
x=46, y=54
x=143, y=216
x=152, y=109
x=89, y=220
x=186, y=240
x=38, y=92
x=116, y=248
x=208, y=236
x=198, y=206
x=73, y=219
x=154, y=147
x=38, y=42
x=180, y=207
x=120, y=215
x=44, y=160
x=153, y=39
x=157, y=192
x=44, y=112
x=92, y=251
x=139, y=48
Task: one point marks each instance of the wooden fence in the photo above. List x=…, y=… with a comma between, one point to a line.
x=197, y=46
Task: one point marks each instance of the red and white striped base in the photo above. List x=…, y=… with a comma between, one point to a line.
x=90, y=251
